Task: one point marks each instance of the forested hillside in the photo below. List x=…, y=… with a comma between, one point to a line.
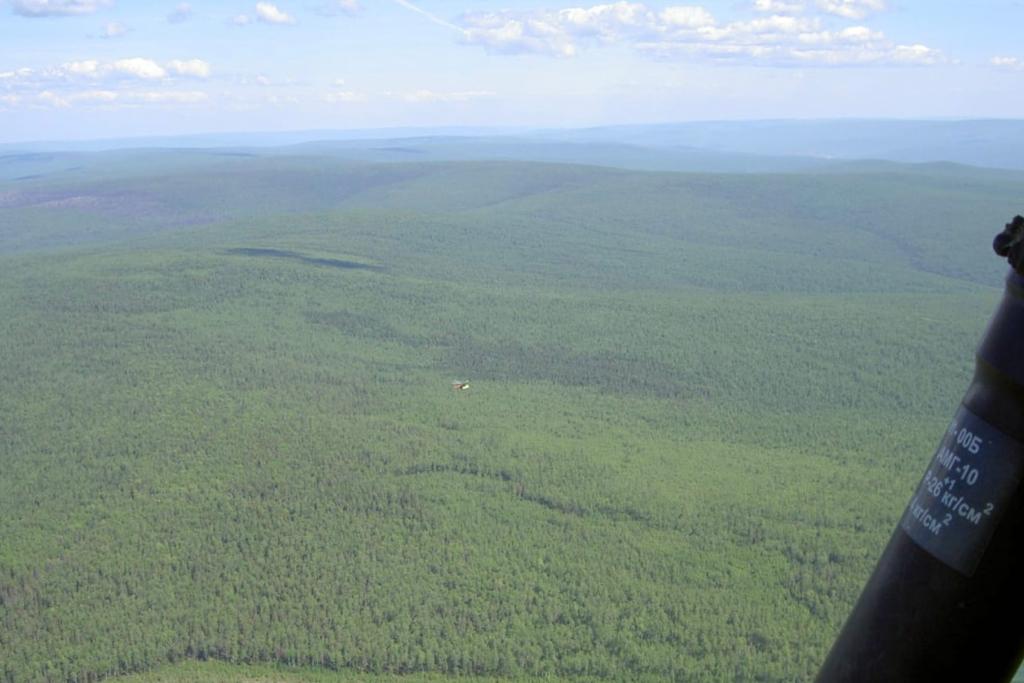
x=698, y=404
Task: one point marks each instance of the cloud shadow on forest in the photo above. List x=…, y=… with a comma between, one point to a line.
x=302, y=258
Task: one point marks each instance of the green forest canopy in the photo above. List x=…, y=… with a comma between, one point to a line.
x=698, y=405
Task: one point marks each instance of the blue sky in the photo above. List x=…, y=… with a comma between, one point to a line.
x=72, y=69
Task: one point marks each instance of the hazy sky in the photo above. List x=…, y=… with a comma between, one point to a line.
x=102, y=68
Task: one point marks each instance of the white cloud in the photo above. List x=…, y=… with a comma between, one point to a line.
x=823, y=49
x=687, y=17
x=852, y=9
x=169, y=96
x=602, y=20
x=860, y=34
x=114, y=29
x=93, y=96
x=270, y=13
x=559, y=33
x=849, y=35
x=90, y=82
x=57, y=8
x=16, y=74
x=134, y=67
x=345, y=96
x=778, y=6
x=52, y=99
x=333, y=8
x=783, y=38
x=241, y=20
x=139, y=67
x=432, y=96
x=183, y=12
x=1000, y=62
x=88, y=97
x=88, y=67
x=502, y=32
x=196, y=68
x=757, y=29
x=282, y=99
x=867, y=56
x=916, y=54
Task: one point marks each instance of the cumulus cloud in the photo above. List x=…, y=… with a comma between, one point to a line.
x=603, y=20
x=196, y=68
x=16, y=74
x=62, y=101
x=852, y=9
x=86, y=67
x=169, y=96
x=860, y=34
x=52, y=99
x=282, y=99
x=138, y=67
x=916, y=54
x=830, y=52
x=687, y=17
x=96, y=96
x=49, y=98
x=57, y=8
x=560, y=32
x=183, y=12
x=94, y=71
x=778, y=6
x=784, y=37
x=345, y=96
x=765, y=30
x=269, y=13
x=1000, y=62
x=114, y=29
x=508, y=33
x=89, y=82
x=847, y=36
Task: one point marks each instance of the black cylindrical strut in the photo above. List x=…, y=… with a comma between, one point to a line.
x=945, y=601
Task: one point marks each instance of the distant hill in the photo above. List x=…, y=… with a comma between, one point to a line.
x=709, y=146
x=526, y=148
x=913, y=212
x=994, y=143
x=31, y=161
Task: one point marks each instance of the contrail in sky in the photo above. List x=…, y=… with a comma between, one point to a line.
x=433, y=17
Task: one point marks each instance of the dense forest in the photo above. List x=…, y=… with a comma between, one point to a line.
x=698, y=404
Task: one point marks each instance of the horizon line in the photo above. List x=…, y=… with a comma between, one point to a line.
x=474, y=130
